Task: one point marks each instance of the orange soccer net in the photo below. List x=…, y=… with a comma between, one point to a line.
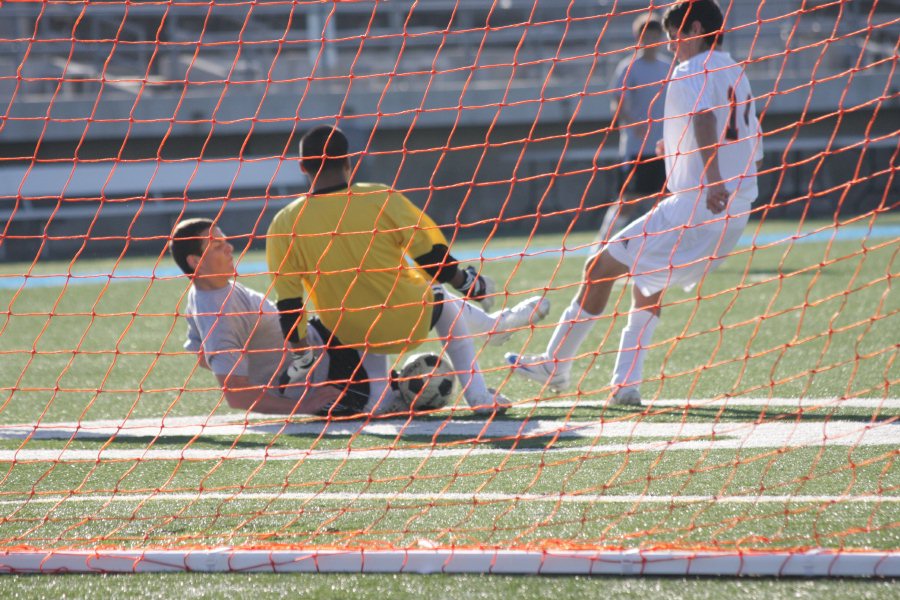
x=766, y=437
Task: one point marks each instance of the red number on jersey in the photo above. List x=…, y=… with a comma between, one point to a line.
x=731, y=132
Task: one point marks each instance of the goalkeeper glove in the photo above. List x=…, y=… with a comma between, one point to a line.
x=299, y=365
x=478, y=287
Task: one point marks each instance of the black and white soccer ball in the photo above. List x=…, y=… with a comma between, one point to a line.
x=426, y=382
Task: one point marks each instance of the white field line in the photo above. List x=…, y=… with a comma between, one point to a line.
x=188, y=423
x=442, y=498
x=236, y=424
x=731, y=402
x=669, y=437
x=665, y=436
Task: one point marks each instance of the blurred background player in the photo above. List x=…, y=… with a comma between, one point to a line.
x=637, y=106
x=712, y=144
x=345, y=248
x=237, y=334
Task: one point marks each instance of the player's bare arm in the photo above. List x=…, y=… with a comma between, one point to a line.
x=241, y=394
x=706, y=132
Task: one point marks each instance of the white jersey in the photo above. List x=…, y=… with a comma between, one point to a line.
x=711, y=81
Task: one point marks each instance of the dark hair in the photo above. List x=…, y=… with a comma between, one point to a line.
x=187, y=239
x=707, y=12
x=323, y=148
x=646, y=22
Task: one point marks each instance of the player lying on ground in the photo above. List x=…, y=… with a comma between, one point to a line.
x=237, y=334
x=712, y=142
x=344, y=247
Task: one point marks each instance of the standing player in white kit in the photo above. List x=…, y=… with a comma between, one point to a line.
x=712, y=143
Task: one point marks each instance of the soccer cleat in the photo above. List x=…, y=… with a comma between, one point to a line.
x=539, y=368
x=392, y=402
x=628, y=396
x=494, y=403
x=525, y=313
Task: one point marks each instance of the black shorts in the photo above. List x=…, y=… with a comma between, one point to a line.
x=345, y=372
x=438, y=307
x=643, y=177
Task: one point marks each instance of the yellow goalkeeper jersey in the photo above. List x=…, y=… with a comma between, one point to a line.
x=346, y=252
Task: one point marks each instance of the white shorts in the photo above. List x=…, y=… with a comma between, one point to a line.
x=679, y=241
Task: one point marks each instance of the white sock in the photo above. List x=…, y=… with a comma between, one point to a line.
x=454, y=332
x=376, y=366
x=573, y=327
x=636, y=337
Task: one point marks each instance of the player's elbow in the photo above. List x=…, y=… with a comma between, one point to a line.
x=439, y=264
x=236, y=400
x=236, y=391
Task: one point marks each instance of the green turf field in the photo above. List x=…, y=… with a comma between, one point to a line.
x=742, y=443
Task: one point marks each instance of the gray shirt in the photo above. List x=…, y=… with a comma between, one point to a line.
x=641, y=84
x=238, y=330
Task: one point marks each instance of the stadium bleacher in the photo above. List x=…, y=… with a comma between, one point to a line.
x=186, y=73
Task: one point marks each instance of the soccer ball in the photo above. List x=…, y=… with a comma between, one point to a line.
x=426, y=382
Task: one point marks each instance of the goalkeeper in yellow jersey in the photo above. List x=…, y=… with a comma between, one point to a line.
x=343, y=248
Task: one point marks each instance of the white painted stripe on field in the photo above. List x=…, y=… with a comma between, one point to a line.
x=666, y=436
x=728, y=402
x=727, y=436
x=725, y=433
x=441, y=498
x=232, y=424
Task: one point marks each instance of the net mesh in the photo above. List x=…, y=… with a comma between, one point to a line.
x=770, y=389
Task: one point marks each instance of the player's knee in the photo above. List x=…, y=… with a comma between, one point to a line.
x=590, y=268
x=600, y=267
x=651, y=303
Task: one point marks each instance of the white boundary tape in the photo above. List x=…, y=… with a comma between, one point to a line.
x=817, y=563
